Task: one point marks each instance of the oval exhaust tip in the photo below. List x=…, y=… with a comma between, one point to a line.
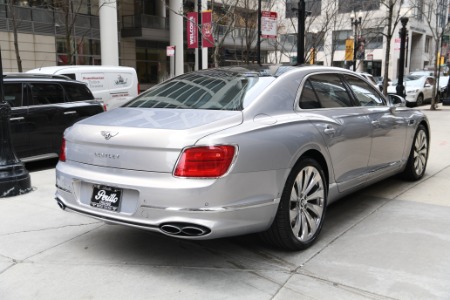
x=171, y=229
x=60, y=204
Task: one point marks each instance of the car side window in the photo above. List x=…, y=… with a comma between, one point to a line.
x=324, y=91
x=13, y=94
x=365, y=94
x=77, y=92
x=47, y=93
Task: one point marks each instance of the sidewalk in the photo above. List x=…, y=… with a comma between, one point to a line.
x=389, y=241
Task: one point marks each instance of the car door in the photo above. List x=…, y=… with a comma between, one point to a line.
x=388, y=126
x=345, y=128
x=14, y=95
x=42, y=114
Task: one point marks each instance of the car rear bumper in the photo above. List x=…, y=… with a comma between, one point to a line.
x=186, y=208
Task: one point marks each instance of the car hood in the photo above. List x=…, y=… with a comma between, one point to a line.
x=392, y=89
x=143, y=139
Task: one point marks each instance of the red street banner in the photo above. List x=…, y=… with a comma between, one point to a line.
x=191, y=30
x=207, y=36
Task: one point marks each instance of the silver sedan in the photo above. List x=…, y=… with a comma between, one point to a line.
x=239, y=150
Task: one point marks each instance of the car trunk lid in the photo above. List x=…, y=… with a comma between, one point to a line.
x=143, y=139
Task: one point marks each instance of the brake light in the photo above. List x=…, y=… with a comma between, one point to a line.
x=205, y=161
x=62, y=151
x=138, y=88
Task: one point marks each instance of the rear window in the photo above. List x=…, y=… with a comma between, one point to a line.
x=215, y=90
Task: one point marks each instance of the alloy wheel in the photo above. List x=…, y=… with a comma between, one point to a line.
x=307, y=202
x=420, y=152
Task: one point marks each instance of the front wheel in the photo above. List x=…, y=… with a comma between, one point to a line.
x=418, y=157
x=302, y=207
x=419, y=101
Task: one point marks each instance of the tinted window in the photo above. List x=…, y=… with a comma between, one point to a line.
x=47, y=93
x=217, y=90
x=70, y=75
x=365, y=93
x=324, y=91
x=77, y=92
x=13, y=94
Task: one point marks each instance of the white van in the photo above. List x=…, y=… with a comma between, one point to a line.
x=112, y=85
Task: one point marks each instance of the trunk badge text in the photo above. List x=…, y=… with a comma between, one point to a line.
x=107, y=134
x=106, y=155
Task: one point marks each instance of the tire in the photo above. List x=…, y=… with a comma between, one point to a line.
x=418, y=157
x=302, y=208
x=419, y=100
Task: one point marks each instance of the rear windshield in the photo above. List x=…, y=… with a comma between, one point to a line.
x=215, y=90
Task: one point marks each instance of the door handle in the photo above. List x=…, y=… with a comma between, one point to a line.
x=17, y=119
x=376, y=123
x=330, y=130
x=70, y=112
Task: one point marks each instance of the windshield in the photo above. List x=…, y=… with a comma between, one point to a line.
x=215, y=90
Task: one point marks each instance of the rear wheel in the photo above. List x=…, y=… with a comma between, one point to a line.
x=418, y=157
x=302, y=207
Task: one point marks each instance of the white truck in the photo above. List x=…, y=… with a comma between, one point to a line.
x=112, y=85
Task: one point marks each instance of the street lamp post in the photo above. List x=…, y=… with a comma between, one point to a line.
x=355, y=22
x=400, y=87
x=301, y=32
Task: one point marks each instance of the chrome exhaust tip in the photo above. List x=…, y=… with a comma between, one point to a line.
x=60, y=204
x=171, y=229
x=193, y=231
x=184, y=229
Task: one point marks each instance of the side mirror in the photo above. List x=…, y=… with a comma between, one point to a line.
x=396, y=101
x=427, y=85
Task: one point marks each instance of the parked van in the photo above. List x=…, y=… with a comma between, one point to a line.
x=112, y=85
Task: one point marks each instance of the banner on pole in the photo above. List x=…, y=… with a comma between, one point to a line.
x=191, y=30
x=349, y=49
x=207, y=34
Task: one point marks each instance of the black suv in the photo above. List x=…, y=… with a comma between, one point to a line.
x=42, y=107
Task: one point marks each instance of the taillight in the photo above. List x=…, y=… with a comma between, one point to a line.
x=139, y=88
x=62, y=151
x=205, y=161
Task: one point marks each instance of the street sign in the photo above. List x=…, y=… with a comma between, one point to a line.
x=170, y=50
x=269, y=25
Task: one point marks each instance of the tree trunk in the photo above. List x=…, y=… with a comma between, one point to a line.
x=16, y=38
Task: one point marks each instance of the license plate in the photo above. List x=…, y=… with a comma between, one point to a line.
x=106, y=197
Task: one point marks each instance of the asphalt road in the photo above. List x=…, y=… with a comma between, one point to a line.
x=389, y=241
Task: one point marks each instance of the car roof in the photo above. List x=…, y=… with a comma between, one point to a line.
x=40, y=77
x=99, y=68
x=255, y=70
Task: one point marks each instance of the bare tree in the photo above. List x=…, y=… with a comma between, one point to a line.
x=435, y=19
x=224, y=18
x=390, y=23
x=12, y=14
x=69, y=10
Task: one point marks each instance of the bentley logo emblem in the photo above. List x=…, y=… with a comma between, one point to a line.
x=107, y=134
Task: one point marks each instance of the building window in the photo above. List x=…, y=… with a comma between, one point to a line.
x=339, y=38
x=427, y=44
x=373, y=38
x=152, y=63
x=87, y=52
x=346, y=6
